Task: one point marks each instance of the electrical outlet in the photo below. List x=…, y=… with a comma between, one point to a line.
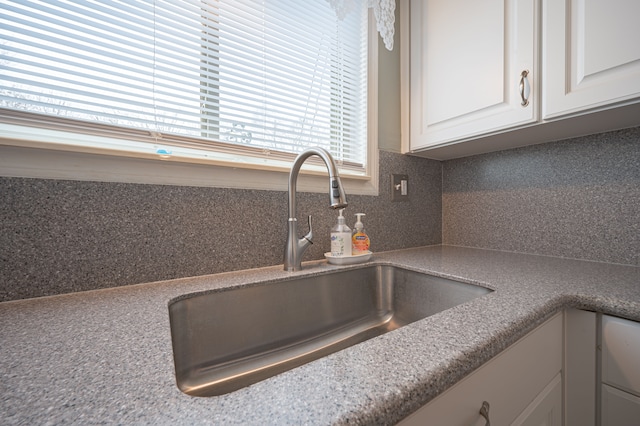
x=399, y=187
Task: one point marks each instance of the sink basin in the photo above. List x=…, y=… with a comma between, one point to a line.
x=229, y=339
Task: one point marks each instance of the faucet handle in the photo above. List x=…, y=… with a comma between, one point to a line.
x=309, y=236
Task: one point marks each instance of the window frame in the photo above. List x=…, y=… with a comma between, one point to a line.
x=33, y=152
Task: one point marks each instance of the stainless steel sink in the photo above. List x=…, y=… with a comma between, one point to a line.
x=229, y=339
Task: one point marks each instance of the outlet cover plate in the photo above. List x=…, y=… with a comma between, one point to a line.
x=399, y=187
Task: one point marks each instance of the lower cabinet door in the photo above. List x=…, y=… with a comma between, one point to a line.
x=509, y=383
x=621, y=354
x=546, y=409
x=619, y=408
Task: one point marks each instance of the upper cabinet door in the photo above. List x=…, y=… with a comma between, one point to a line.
x=591, y=54
x=472, y=63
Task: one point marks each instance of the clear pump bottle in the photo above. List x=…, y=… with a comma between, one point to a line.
x=340, y=238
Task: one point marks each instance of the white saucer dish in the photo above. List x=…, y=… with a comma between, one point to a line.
x=348, y=260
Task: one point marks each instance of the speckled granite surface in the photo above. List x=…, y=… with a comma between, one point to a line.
x=578, y=198
x=105, y=356
x=59, y=236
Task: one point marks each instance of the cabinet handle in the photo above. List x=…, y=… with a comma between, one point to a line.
x=524, y=88
x=484, y=412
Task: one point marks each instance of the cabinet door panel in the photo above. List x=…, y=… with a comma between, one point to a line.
x=591, y=54
x=546, y=409
x=466, y=64
x=619, y=408
x=463, y=73
x=621, y=353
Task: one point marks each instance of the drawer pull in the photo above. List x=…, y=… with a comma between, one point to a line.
x=484, y=412
x=525, y=90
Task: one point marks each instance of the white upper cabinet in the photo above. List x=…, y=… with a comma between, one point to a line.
x=496, y=74
x=473, y=68
x=591, y=54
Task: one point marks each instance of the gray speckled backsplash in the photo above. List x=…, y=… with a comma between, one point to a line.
x=578, y=198
x=60, y=236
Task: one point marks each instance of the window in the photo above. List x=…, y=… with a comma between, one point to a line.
x=242, y=83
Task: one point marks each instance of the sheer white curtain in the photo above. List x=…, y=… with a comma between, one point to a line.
x=384, y=11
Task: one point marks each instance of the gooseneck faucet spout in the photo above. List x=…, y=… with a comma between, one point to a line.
x=296, y=247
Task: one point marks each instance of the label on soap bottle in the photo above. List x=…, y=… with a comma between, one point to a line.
x=360, y=243
x=340, y=244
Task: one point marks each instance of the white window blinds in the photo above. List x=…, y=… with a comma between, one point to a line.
x=237, y=78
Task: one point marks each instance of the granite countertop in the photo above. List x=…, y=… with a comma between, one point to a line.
x=105, y=356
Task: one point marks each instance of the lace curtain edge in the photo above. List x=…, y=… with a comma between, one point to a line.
x=383, y=10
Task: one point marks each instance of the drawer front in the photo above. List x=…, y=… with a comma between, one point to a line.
x=621, y=354
x=619, y=408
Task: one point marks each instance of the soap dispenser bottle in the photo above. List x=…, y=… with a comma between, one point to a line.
x=360, y=239
x=340, y=238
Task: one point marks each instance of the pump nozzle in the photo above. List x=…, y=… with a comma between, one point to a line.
x=340, y=217
x=359, y=224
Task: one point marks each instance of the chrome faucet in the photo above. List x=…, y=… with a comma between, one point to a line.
x=296, y=247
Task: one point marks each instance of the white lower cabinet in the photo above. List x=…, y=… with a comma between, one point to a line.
x=522, y=385
x=620, y=388
x=580, y=366
x=619, y=408
x=563, y=372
